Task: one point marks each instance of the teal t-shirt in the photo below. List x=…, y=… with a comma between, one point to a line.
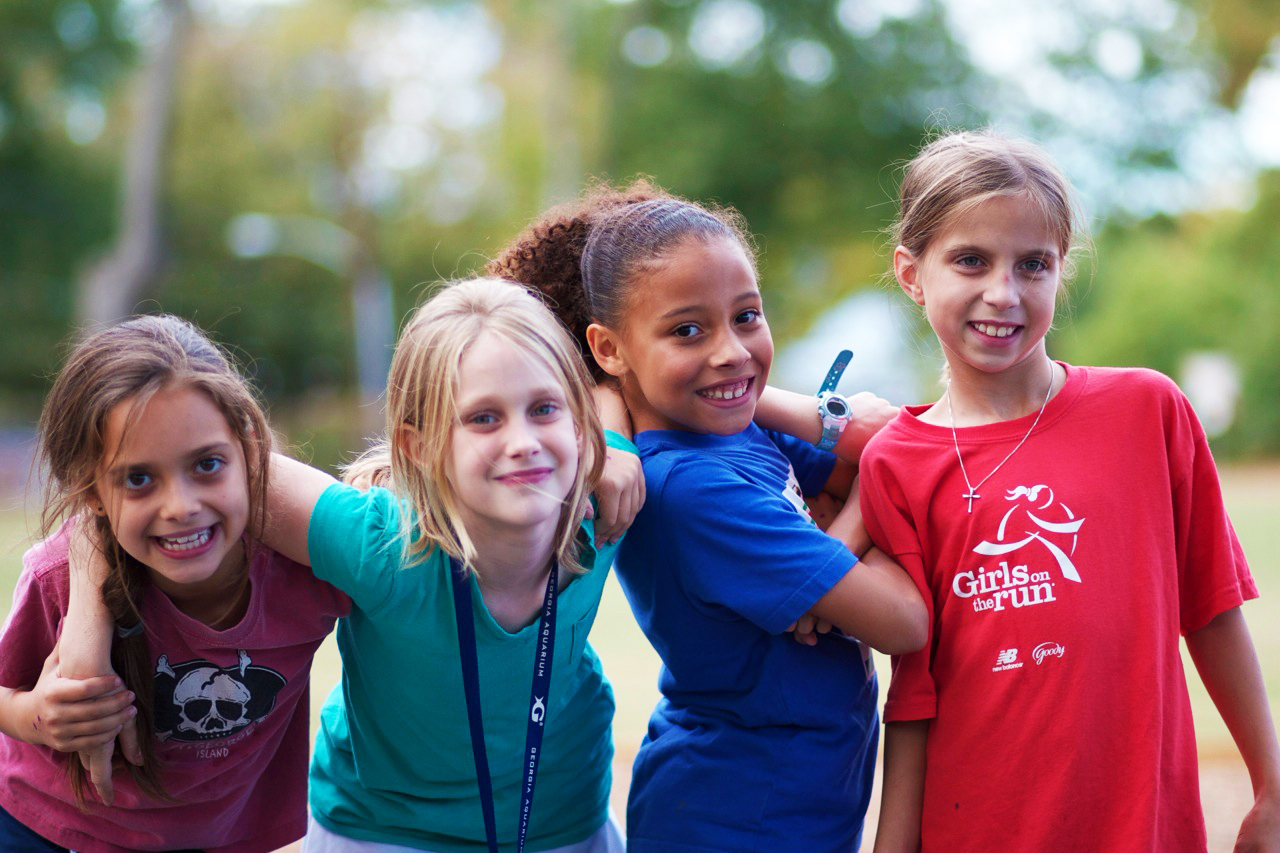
x=393, y=760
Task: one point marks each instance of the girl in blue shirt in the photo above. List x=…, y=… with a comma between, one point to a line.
x=759, y=743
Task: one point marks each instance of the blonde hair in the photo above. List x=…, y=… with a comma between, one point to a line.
x=422, y=391
x=131, y=362
x=959, y=171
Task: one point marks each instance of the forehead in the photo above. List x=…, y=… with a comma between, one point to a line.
x=694, y=270
x=496, y=364
x=171, y=423
x=1018, y=221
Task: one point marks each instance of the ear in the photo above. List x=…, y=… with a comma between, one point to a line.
x=409, y=439
x=906, y=269
x=606, y=346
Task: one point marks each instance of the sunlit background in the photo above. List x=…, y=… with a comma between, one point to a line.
x=294, y=175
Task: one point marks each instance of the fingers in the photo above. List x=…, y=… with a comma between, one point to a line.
x=621, y=494
x=129, y=745
x=803, y=630
x=98, y=763
x=87, y=734
x=87, y=690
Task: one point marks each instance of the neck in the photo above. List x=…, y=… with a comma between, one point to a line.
x=512, y=576
x=981, y=398
x=219, y=602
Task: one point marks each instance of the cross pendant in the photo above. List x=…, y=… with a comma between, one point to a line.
x=971, y=496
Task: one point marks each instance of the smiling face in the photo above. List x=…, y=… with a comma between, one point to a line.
x=989, y=283
x=174, y=486
x=514, y=451
x=694, y=350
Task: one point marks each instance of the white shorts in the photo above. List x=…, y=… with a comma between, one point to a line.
x=607, y=839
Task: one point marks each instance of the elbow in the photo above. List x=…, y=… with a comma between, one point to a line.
x=911, y=629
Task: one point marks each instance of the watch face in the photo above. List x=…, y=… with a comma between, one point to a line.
x=837, y=408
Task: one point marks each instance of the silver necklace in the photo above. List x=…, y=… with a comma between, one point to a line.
x=972, y=495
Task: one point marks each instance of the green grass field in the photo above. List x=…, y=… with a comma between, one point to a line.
x=1253, y=498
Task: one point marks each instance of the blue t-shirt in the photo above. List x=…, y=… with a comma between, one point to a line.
x=759, y=743
x=393, y=760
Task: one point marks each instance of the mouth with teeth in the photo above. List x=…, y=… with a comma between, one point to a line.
x=728, y=392
x=186, y=544
x=996, y=330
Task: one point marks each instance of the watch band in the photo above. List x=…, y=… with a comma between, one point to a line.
x=837, y=370
x=832, y=426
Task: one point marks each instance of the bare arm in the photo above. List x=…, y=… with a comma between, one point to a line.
x=902, y=800
x=877, y=602
x=797, y=415
x=85, y=649
x=1224, y=656
x=620, y=491
x=292, y=493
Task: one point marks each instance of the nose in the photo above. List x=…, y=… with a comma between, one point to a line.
x=1002, y=291
x=730, y=351
x=181, y=500
x=521, y=437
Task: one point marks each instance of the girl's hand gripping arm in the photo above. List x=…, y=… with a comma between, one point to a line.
x=877, y=601
x=84, y=649
x=1224, y=656
x=902, y=800
x=620, y=491
x=67, y=714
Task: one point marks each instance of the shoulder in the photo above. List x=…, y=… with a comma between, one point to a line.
x=1126, y=379
x=45, y=564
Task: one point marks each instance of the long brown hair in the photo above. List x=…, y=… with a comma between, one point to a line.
x=130, y=362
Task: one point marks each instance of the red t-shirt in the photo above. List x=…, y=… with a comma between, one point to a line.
x=231, y=716
x=1053, y=678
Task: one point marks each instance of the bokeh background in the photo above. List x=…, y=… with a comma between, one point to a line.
x=295, y=175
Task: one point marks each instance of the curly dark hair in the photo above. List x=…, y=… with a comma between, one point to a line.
x=583, y=256
x=547, y=255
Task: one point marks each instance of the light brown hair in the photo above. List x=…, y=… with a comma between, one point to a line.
x=129, y=363
x=961, y=170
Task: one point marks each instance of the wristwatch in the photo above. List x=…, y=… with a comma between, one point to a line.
x=832, y=407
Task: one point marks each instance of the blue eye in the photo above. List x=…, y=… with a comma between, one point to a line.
x=969, y=261
x=1036, y=265
x=481, y=419
x=545, y=409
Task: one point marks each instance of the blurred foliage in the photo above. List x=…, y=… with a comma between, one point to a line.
x=1167, y=287
x=430, y=132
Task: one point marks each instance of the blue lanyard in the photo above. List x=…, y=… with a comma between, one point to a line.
x=537, y=699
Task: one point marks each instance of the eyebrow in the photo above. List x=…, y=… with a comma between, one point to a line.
x=973, y=248
x=216, y=447
x=745, y=296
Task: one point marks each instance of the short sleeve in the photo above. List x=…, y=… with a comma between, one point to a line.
x=912, y=692
x=750, y=551
x=812, y=466
x=354, y=542
x=1213, y=574
x=31, y=628
x=618, y=441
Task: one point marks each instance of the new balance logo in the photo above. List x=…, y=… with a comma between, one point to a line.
x=1007, y=659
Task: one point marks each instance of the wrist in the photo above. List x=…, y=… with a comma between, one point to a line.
x=834, y=412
